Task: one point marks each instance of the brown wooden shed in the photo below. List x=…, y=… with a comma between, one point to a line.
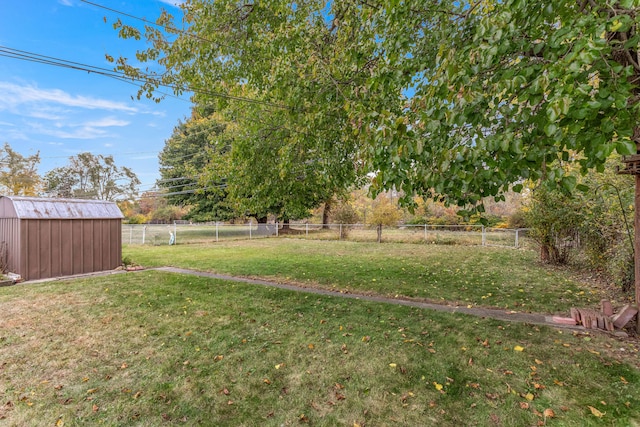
x=42, y=238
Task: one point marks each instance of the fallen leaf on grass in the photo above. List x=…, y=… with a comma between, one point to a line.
x=266, y=381
x=95, y=408
x=595, y=412
x=437, y=386
x=524, y=405
x=518, y=348
x=59, y=423
x=311, y=346
x=529, y=396
x=548, y=413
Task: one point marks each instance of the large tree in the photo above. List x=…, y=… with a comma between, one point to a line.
x=495, y=91
x=184, y=161
x=296, y=144
x=89, y=176
x=19, y=174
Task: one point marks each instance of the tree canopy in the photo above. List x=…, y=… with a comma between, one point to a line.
x=452, y=99
x=184, y=161
x=19, y=174
x=89, y=176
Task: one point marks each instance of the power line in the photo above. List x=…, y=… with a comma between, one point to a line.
x=146, y=21
x=146, y=78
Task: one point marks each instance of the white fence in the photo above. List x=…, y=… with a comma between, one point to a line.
x=152, y=234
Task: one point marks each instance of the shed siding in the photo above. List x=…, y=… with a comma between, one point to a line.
x=52, y=248
x=10, y=234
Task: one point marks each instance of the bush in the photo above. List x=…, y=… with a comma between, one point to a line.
x=345, y=214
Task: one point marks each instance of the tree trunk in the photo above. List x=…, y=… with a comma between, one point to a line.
x=285, y=224
x=325, y=214
x=379, y=229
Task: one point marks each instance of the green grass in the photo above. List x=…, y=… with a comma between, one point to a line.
x=151, y=348
x=491, y=277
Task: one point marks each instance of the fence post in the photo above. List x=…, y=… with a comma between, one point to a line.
x=517, y=232
x=425, y=233
x=216, y=231
x=340, y=236
x=250, y=227
x=484, y=237
x=175, y=233
x=306, y=229
x=144, y=232
x=277, y=229
x=130, y=233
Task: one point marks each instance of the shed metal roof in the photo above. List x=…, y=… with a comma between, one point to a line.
x=39, y=208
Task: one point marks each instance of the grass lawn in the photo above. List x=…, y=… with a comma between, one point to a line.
x=468, y=275
x=152, y=349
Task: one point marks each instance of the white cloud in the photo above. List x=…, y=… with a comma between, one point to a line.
x=106, y=122
x=67, y=132
x=65, y=2
x=15, y=95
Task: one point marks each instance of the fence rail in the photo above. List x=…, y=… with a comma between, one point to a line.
x=153, y=234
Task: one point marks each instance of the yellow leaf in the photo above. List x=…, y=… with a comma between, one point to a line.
x=59, y=423
x=528, y=396
x=595, y=412
x=539, y=362
x=624, y=380
x=279, y=365
x=266, y=381
x=311, y=346
x=393, y=365
x=518, y=348
x=437, y=386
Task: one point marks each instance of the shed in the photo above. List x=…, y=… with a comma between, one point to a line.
x=42, y=238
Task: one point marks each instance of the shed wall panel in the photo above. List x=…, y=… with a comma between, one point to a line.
x=66, y=248
x=52, y=248
x=10, y=234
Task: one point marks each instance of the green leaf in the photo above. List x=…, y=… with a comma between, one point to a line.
x=626, y=147
x=568, y=183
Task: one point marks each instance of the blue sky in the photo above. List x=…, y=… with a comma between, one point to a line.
x=61, y=112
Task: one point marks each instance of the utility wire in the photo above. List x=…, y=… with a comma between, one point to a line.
x=63, y=63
